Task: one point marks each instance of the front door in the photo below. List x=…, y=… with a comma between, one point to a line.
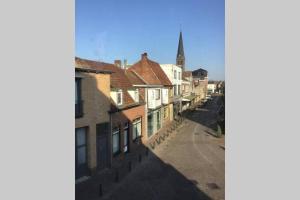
x=81, y=166
x=102, y=151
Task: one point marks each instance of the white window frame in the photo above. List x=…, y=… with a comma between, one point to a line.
x=119, y=92
x=136, y=95
x=136, y=135
x=116, y=131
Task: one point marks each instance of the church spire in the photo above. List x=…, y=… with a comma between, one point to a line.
x=180, y=59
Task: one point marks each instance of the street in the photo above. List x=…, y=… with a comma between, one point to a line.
x=190, y=164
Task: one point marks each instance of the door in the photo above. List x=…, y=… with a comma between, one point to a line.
x=81, y=166
x=102, y=151
x=102, y=145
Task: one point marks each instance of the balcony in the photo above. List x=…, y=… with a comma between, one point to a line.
x=79, y=109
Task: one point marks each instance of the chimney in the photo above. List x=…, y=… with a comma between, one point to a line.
x=118, y=63
x=125, y=63
x=144, y=55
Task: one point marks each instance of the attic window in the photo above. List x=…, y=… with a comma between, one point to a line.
x=136, y=95
x=119, y=97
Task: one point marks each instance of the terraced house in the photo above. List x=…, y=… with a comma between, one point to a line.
x=92, y=105
x=156, y=89
x=174, y=73
x=126, y=111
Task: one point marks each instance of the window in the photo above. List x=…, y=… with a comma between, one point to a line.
x=179, y=90
x=158, y=120
x=119, y=97
x=137, y=128
x=136, y=95
x=150, y=124
x=80, y=152
x=175, y=90
x=175, y=73
x=157, y=94
x=179, y=76
x=116, y=140
x=126, y=136
x=78, y=101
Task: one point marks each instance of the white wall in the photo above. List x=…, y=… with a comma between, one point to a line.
x=152, y=101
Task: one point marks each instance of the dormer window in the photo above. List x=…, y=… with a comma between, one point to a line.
x=136, y=95
x=119, y=97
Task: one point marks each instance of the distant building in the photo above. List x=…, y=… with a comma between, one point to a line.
x=174, y=74
x=212, y=87
x=200, y=80
x=188, y=97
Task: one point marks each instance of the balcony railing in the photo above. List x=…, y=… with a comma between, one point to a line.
x=79, y=109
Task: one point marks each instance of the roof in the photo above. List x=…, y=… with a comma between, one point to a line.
x=134, y=78
x=199, y=73
x=150, y=72
x=78, y=69
x=118, y=78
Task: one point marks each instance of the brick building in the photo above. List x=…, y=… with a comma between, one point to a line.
x=156, y=89
x=92, y=104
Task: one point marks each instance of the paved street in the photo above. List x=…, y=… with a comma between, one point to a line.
x=190, y=164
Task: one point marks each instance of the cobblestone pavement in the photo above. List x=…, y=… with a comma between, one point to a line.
x=190, y=164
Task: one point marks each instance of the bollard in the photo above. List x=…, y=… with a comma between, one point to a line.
x=100, y=190
x=117, y=176
x=140, y=158
x=129, y=166
x=147, y=151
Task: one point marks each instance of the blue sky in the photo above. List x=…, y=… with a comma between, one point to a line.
x=107, y=30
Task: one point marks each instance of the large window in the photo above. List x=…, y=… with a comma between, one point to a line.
x=78, y=100
x=175, y=90
x=126, y=136
x=150, y=124
x=179, y=76
x=80, y=152
x=157, y=94
x=175, y=74
x=116, y=140
x=158, y=120
x=137, y=128
x=179, y=90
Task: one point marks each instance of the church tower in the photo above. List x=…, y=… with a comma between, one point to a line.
x=180, y=59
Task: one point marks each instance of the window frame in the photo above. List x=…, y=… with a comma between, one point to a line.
x=119, y=92
x=157, y=94
x=135, y=122
x=114, y=132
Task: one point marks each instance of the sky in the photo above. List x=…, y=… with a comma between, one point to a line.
x=108, y=30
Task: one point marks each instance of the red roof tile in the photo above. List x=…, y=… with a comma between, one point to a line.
x=150, y=72
x=118, y=78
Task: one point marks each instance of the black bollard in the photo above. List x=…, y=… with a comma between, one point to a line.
x=140, y=158
x=100, y=190
x=147, y=151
